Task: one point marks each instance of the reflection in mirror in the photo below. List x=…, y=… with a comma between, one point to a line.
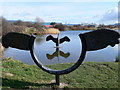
x=57, y=53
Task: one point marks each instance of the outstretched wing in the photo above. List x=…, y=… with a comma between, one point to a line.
x=50, y=37
x=64, y=39
x=100, y=39
x=17, y=40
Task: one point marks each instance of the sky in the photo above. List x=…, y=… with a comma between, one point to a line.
x=65, y=12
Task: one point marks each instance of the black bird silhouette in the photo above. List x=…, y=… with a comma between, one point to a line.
x=55, y=40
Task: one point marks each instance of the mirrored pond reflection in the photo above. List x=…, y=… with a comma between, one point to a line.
x=68, y=52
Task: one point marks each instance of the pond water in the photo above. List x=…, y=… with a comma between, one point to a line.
x=68, y=52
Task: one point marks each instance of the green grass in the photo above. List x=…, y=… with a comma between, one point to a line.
x=16, y=74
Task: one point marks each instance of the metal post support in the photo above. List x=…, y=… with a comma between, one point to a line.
x=57, y=79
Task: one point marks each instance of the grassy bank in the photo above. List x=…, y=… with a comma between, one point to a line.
x=89, y=75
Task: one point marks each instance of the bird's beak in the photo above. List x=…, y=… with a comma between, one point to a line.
x=113, y=43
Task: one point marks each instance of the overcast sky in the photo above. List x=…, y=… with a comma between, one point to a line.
x=65, y=12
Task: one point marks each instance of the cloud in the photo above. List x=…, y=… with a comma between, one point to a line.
x=110, y=16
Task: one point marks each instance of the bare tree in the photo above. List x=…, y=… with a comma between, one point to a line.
x=39, y=20
x=6, y=26
x=39, y=24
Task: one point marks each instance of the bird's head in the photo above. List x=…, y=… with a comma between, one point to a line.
x=49, y=38
x=66, y=39
x=115, y=39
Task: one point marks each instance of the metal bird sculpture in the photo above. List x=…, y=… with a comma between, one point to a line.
x=56, y=40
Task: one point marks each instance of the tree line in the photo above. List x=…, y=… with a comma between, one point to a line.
x=20, y=26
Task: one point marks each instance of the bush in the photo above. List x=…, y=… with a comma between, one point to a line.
x=30, y=30
x=6, y=26
x=117, y=59
x=61, y=27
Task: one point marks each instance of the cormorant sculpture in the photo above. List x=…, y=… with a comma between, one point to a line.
x=56, y=40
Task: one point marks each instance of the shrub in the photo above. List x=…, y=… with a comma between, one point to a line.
x=117, y=59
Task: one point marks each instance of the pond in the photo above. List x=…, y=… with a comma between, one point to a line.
x=68, y=52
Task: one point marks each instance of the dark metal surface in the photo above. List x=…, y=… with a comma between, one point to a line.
x=17, y=40
x=57, y=78
x=99, y=39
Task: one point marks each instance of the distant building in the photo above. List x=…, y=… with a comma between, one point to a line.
x=48, y=26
